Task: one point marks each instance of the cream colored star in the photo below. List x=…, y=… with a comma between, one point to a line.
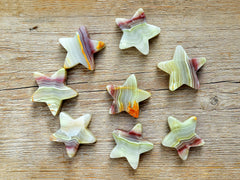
x=127, y=97
x=182, y=136
x=73, y=132
x=80, y=49
x=136, y=32
x=182, y=69
x=130, y=145
x=52, y=90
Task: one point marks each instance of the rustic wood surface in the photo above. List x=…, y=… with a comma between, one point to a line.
x=29, y=36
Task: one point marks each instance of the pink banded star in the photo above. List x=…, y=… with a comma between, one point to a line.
x=127, y=97
x=182, y=136
x=52, y=90
x=136, y=32
x=182, y=69
x=80, y=49
x=73, y=132
x=130, y=145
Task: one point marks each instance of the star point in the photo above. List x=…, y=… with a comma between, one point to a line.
x=130, y=145
x=127, y=97
x=80, y=49
x=136, y=32
x=182, y=69
x=73, y=132
x=182, y=136
x=52, y=90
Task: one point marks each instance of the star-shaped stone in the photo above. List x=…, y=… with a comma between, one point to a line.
x=182, y=69
x=52, y=90
x=127, y=97
x=80, y=49
x=136, y=32
x=73, y=132
x=182, y=136
x=130, y=145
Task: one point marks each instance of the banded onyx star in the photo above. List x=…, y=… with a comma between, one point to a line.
x=80, y=49
x=52, y=90
x=130, y=145
x=73, y=132
x=127, y=97
x=182, y=136
x=182, y=69
x=136, y=32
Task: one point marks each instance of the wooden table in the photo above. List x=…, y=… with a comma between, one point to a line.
x=204, y=28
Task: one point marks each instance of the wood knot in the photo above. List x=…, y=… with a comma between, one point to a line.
x=214, y=100
x=33, y=28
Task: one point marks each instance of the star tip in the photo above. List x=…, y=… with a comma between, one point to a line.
x=121, y=47
x=62, y=113
x=112, y=155
x=145, y=51
x=110, y=111
x=76, y=93
x=140, y=10
x=163, y=143
x=133, y=75
x=70, y=155
x=159, y=65
x=204, y=60
x=136, y=116
x=184, y=158
x=118, y=21
x=108, y=86
x=52, y=138
x=54, y=113
x=101, y=45
x=179, y=46
x=60, y=40
x=82, y=26
x=194, y=118
x=138, y=126
x=152, y=145
x=88, y=116
x=65, y=67
x=62, y=69
x=134, y=166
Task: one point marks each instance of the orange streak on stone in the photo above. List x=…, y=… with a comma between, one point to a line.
x=133, y=111
x=121, y=108
x=89, y=66
x=100, y=45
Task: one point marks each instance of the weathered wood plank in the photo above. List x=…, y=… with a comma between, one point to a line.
x=203, y=28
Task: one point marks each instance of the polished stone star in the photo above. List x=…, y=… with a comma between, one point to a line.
x=130, y=145
x=73, y=132
x=182, y=136
x=136, y=32
x=182, y=69
x=52, y=90
x=80, y=49
x=127, y=97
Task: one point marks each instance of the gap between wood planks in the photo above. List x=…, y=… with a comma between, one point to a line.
x=26, y=87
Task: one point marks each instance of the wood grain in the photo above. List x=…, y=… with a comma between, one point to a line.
x=204, y=28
